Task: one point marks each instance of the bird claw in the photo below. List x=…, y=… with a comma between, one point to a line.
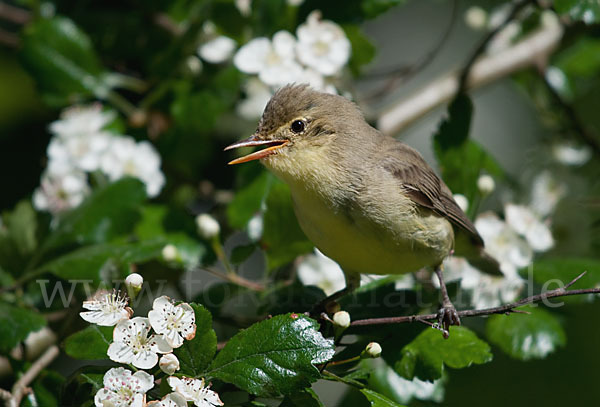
x=447, y=316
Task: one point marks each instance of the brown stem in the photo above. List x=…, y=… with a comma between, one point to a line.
x=14, y=14
x=236, y=279
x=19, y=389
x=503, y=309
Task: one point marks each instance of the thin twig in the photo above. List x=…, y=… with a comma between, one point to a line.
x=516, y=9
x=486, y=69
x=19, y=389
x=503, y=309
x=14, y=14
x=399, y=75
x=235, y=279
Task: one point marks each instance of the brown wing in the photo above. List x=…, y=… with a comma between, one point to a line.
x=425, y=188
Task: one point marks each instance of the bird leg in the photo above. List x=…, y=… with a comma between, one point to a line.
x=447, y=315
x=352, y=283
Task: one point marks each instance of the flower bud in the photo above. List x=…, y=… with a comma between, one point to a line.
x=373, y=350
x=486, y=184
x=169, y=363
x=341, y=319
x=208, y=227
x=170, y=253
x=135, y=281
x=476, y=17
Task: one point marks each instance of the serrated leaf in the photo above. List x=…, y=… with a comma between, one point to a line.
x=378, y=400
x=273, y=357
x=195, y=355
x=62, y=59
x=107, y=213
x=426, y=356
x=89, y=262
x=15, y=324
x=525, y=337
x=90, y=343
x=283, y=239
x=587, y=11
x=550, y=272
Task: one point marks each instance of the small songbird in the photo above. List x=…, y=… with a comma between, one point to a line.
x=366, y=200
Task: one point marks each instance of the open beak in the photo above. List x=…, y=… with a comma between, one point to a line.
x=272, y=146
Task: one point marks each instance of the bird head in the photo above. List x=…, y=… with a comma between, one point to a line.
x=298, y=123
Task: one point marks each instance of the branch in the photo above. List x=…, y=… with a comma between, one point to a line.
x=486, y=69
x=236, y=279
x=19, y=389
x=14, y=14
x=503, y=309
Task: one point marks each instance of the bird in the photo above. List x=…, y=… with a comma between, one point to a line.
x=365, y=199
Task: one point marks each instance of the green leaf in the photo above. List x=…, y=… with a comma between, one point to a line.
x=427, y=354
x=587, y=11
x=62, y=59
x=525, y=337
x=90, y=343
x=363, y=51
x=373, y=8
x=582, y=59
x=15, y=324
x=99, y=262
x=273, y=357
x=282, y=237
x=195, y=355
x=22, y=227
x=554, y=272
x=109, y=212
x=249, y=200
x=47, y=387
x=303, y=398
x=378, y=400
x=454, y=129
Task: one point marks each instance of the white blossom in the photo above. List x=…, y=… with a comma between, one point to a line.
x=319, y=270
x=107, y=308
x=125, y=157
x=503, y=243
x=273, y=61
x=38, y=341
x=174, y=322
x=295, y=3
x=208, y=227
x=373, y=349
x=322, y=45
x=526, y=223
x=476, y=17
x=123, y=389
x=81, y=121
x=255, y=227
x=217, y=50
x=486, y=184
x=170, y=252
x=60, y=191
x=258, y=95
x=558, y=80
x=244, y=6
x=405, y=390
x=134, y=344
x=461, y=201
x=341, y=319
x=571, y=154
x=82, y=151
x=169, y=363
x=170, y=400
x=134, y=280
x=195, y=390
x=546, y=192
x=486, y=290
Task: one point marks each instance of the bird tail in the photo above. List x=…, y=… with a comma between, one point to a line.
x=485, y=263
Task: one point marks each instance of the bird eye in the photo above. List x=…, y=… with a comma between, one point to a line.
x=298, y=126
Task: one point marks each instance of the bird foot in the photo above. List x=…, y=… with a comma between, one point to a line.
x=447, y=316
